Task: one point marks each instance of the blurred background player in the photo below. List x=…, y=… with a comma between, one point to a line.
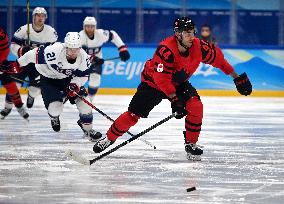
x=40, y=34
x=92, y=42
x=13, y=95
x=206, y=34
x=63, y=69
x=166, y=76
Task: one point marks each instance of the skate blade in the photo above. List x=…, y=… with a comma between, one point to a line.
x=77, y=157
x=193, y=157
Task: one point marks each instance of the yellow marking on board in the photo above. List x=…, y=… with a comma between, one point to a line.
x=202, y=92
x=240, y=54
x=277, y=54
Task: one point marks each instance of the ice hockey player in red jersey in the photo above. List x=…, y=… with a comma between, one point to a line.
x=166, y=76
x=13, y=94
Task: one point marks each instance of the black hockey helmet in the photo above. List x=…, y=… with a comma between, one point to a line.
x=183, y=24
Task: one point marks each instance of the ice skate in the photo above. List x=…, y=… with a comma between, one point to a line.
x=92, y=135
x=22, y=111
x=102, y=145
x=30, y=101
x=5, y=112
x=193, y=152
x=55, y=123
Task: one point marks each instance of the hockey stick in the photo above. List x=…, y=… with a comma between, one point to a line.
x=77, y=157
x=28, y=21
x=113, y=58
x=109, y=118
x=34, y=82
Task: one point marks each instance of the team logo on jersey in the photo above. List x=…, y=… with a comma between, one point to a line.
x=160, y=67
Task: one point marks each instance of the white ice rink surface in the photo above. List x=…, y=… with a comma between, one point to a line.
x=243, y=161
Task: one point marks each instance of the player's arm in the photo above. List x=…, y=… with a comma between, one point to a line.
x=122, y=48
x=214, y=56
x=163, y=71
x=80, y=76
x=13, y=67
x=18, y=42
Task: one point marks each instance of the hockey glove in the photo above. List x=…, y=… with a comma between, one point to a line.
x=24, y=49
x=243, y=84
x=82, y=92
x=178, y=106
x=11, y=67
x=72, y=90
x=96, y=61
x=123, y=53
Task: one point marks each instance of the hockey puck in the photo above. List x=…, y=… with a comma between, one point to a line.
x=191, y=189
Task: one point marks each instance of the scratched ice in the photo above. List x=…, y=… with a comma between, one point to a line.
x=243, y=161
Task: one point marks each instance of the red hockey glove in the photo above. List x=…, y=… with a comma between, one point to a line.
x=123, y=53
x=11, y=67
x=243, y=84
x=72, y=90
x=178, y=106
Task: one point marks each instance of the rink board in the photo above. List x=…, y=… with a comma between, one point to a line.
x=265, y=68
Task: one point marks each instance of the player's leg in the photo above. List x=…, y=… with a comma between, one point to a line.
x=51, y=90
x=144, y=100
x=86, y=120
x=94, y=82
x=33, y=89
x=12, y=97
x=193, y=120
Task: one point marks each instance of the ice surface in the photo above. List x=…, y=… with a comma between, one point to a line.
x=243, y=161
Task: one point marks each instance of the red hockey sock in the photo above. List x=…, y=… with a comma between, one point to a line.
x=193, y=120
x=13, y=92
x=121, y=125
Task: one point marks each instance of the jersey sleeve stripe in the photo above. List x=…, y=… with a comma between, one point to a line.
x=40, y=55
x=110, y=36
x=214, y=56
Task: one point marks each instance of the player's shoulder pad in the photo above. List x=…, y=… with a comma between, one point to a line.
x=48, y=27
x=165, y=53
x=56, y=47
x=51, y=31
x=208, y=51
x=21, y=31
x=103, y=33
x=86, y=62
x=83, y=36
x=82, y=33
x=48, y=53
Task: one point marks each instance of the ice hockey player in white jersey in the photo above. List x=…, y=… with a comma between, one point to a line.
x=92, y=41
x=64, y=69
x=39, y=34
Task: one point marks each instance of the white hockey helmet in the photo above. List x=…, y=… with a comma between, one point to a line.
x=40, y=10
x=89, y=20
x=72, y=40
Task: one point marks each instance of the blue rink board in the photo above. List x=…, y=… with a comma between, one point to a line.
x=265, y=67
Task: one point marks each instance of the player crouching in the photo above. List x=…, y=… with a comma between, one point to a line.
x=64, y=68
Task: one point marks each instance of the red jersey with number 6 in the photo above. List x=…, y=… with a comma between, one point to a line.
x=168, y=68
